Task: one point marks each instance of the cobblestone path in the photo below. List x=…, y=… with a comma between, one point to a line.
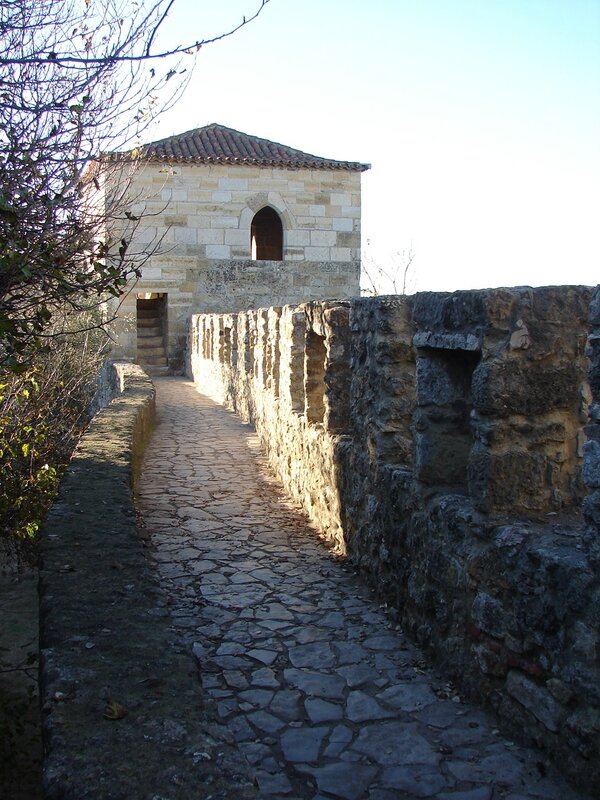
x=322, y=692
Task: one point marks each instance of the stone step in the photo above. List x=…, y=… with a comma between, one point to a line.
x=149, y=330
x=151, y=360
x=149, y=322
x=157, y=350
x=150, y=341
x=145, y=313
x=155, y=369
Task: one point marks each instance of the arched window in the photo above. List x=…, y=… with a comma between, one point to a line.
x=266, y=234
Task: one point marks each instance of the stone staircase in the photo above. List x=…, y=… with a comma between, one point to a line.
x=150, y=342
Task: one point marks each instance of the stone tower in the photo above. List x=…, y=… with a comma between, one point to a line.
x=230, y=221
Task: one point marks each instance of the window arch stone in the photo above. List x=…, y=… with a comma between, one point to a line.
x=256, y=203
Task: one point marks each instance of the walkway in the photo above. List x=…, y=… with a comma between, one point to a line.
x=322, y=692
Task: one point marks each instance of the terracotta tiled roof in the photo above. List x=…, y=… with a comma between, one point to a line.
x=216, y=144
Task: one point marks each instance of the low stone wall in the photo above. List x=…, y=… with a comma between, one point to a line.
x=438, y=441
x=122, y=713
x=110, y=382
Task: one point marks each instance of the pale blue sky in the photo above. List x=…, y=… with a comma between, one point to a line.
x=481, y=119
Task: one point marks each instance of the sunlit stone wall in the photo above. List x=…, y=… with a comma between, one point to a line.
x=194, y=223
x=438, y=441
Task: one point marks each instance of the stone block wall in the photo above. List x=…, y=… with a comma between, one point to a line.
x=591, y=470
x=254, y=362
x=208, y=209
x=438, y=441
x=198, y=219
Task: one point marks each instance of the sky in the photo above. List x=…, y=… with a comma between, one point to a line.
x=480, y=119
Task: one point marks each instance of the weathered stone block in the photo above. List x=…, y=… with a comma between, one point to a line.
x=510, y=481
x=342, y=224
x=594, y=308
x=558, y=304
x=441, y=455
x=218, y=251
x=348, y=238
x=593, y=353
x=584, y=726
x=323, y=238
x=297, y=238
x=228, y=184
x=460, y=311
x=488, y=614
x=185, y=235
x=176, y=220
x=591, y=509
x=488, y=661
x=535, y=699
x=210, y=236
x=340, y=254
x=317, y=253
x=518, y=387
x=591, y=464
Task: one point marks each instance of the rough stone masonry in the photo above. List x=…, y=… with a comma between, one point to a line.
x=439, y=441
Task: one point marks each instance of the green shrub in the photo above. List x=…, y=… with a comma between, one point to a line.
x=43, y=411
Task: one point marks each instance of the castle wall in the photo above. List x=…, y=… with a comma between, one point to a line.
x=197, y=219
x=438, y=441
x=591, y=470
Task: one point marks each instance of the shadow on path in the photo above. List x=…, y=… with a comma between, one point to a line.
x=320, y=690
x=20, y=724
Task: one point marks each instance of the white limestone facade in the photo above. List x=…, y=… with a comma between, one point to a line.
x=194, y=223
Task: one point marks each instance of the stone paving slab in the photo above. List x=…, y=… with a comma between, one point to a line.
x=321, y=691
x=20, y=724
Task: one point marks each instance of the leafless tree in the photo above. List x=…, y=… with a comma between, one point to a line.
x=78, y=78
x=396, y=277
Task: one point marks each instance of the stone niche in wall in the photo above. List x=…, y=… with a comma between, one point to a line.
x=502, y=397
x=442, y=423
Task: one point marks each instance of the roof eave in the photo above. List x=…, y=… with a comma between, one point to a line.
x=348, y=166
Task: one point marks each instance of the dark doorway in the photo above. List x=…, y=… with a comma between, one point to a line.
x=151, y=330
x=266, y=234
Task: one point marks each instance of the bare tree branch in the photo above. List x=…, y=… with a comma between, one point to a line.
x=76, y=80
x=58, y=58
x=382, y=279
